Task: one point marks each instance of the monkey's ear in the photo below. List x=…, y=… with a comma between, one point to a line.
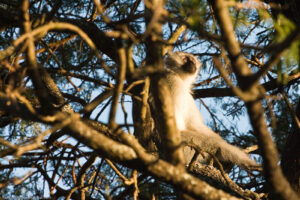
x=173, y=60
x=169, y=61
x=166, y=56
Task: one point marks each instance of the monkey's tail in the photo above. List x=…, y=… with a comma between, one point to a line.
x=206, y=140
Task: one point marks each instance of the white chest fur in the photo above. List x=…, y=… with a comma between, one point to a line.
x=185, y=109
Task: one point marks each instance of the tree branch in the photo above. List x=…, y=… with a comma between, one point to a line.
x=133, y=156
x=279, y=185
x=159, y=87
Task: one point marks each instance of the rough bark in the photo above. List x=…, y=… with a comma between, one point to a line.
x=291, y=156
x=279, y=186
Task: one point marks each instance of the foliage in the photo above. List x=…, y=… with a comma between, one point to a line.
x=56, y=102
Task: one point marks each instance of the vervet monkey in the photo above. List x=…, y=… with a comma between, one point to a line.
x=181, y=71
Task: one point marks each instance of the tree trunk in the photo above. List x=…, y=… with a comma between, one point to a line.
x=291, y=156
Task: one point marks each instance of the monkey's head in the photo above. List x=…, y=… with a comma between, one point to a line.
x=183, y=63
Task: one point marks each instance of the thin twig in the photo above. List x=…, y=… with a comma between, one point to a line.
x=119, y=86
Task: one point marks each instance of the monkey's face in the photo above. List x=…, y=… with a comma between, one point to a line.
x=183, y=63
x=189, y=65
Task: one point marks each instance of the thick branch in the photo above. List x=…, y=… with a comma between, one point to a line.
x=123, y=154
x=227, y=92
x=279, y=185
x=159, y=86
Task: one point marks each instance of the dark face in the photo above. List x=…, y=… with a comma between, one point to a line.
x=189, y=65
x=182, y=63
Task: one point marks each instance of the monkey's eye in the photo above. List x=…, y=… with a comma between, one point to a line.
x=186, y=59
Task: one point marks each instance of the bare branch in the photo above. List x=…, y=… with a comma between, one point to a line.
x=273, y=172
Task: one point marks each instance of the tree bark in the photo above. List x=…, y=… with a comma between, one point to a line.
x=291, y=156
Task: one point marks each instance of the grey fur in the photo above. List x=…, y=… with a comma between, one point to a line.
x=181, y=74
